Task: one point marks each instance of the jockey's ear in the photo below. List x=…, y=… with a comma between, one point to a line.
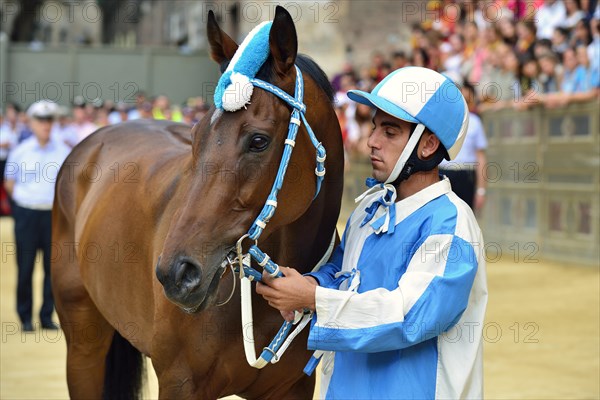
x=283, y=41
x=222, y=47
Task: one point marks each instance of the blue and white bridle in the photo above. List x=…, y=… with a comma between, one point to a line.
x=241, y=262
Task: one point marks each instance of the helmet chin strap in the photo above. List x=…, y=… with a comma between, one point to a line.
x=403, y=170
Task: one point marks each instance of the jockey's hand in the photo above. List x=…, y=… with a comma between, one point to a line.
x=288, y=293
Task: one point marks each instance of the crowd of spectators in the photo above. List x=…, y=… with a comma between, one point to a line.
x=516, y=54
x=72, y=125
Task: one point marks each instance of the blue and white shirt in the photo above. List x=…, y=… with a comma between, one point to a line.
x=408, y=321
x=34, y=169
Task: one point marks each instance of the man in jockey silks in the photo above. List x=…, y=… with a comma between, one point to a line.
x=399, y=309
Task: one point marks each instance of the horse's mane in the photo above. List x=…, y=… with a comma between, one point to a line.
x=306, y=64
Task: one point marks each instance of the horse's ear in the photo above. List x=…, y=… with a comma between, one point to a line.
x=283, y=41
x=222, y=47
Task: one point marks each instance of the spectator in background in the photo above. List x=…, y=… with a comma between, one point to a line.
x=399, y=60
x=63, y=129
x=31, y=172
x=377, y=70
x=119, y=114
x=81, y=120
x=10, y=128
x=466, y=170
x=507, y=31
x=550, y=15
x=420, y=58
x=550, y=73
x=560, y=41
x=102, y=117
x=348, y=111
x=452, y=54
x=188, y=116
x=589, y=75
x=140, y=99
x=161, y=110
x=13, y=125
x=509, y=79
x=526, y=38
x=470, y=39
x=582, y=34
x=145, y=111
x=542, y=46
x=528, y=74
x=574, y=13
x=336, y=82
x=573, y=75
x=594, y=47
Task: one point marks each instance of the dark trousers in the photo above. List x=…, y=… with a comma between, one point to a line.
x=463, y=184
x=32, y=232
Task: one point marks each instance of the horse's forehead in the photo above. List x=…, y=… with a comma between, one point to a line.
x=264, y=107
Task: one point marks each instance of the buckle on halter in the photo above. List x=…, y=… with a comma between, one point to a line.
x=240, y=254
x=275, y=358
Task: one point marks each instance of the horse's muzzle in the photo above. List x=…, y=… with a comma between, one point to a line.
x=182, y=281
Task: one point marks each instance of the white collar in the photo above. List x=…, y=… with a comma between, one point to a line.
x=409, y=205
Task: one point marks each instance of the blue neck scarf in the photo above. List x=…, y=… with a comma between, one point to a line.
x=387, y=200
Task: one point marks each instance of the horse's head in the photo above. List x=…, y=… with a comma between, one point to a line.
x=235, y=160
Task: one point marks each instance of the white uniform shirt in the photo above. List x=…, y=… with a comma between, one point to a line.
x=34, y=169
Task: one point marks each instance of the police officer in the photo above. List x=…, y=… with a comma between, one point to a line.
x=30, y=175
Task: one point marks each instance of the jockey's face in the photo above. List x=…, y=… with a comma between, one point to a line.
x=386, y=141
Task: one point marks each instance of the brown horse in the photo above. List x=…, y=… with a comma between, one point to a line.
x=143, y=200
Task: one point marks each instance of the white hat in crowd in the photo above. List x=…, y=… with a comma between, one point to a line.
x=43, y=109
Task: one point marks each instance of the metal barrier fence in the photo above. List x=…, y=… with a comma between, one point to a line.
x=543, y=177
x=61, y=73
x=544, y=183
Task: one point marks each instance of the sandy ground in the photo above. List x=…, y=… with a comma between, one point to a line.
x=542, y=334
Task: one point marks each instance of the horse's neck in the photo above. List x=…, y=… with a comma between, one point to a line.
x=303, y=243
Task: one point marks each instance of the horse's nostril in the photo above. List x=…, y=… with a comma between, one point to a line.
x=187, y=276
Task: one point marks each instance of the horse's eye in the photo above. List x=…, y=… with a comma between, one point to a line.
x=259, y=143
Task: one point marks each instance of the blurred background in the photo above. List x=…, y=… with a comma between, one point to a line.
x=533, y=69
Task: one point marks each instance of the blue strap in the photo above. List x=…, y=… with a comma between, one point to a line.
x=297, y=102
x=311, y=365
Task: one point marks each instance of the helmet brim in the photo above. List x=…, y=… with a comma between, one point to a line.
x=382, y=104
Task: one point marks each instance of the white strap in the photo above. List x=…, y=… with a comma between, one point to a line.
x=319, y=173
x=272, y=203
x=261, y=224
x=303, y=322
x=290, y=142
x=248, y=326
x=295, y=121
x=248, y=321
x=275, y=273
x=264, y=261
x=410, y=146
x=328, y=253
